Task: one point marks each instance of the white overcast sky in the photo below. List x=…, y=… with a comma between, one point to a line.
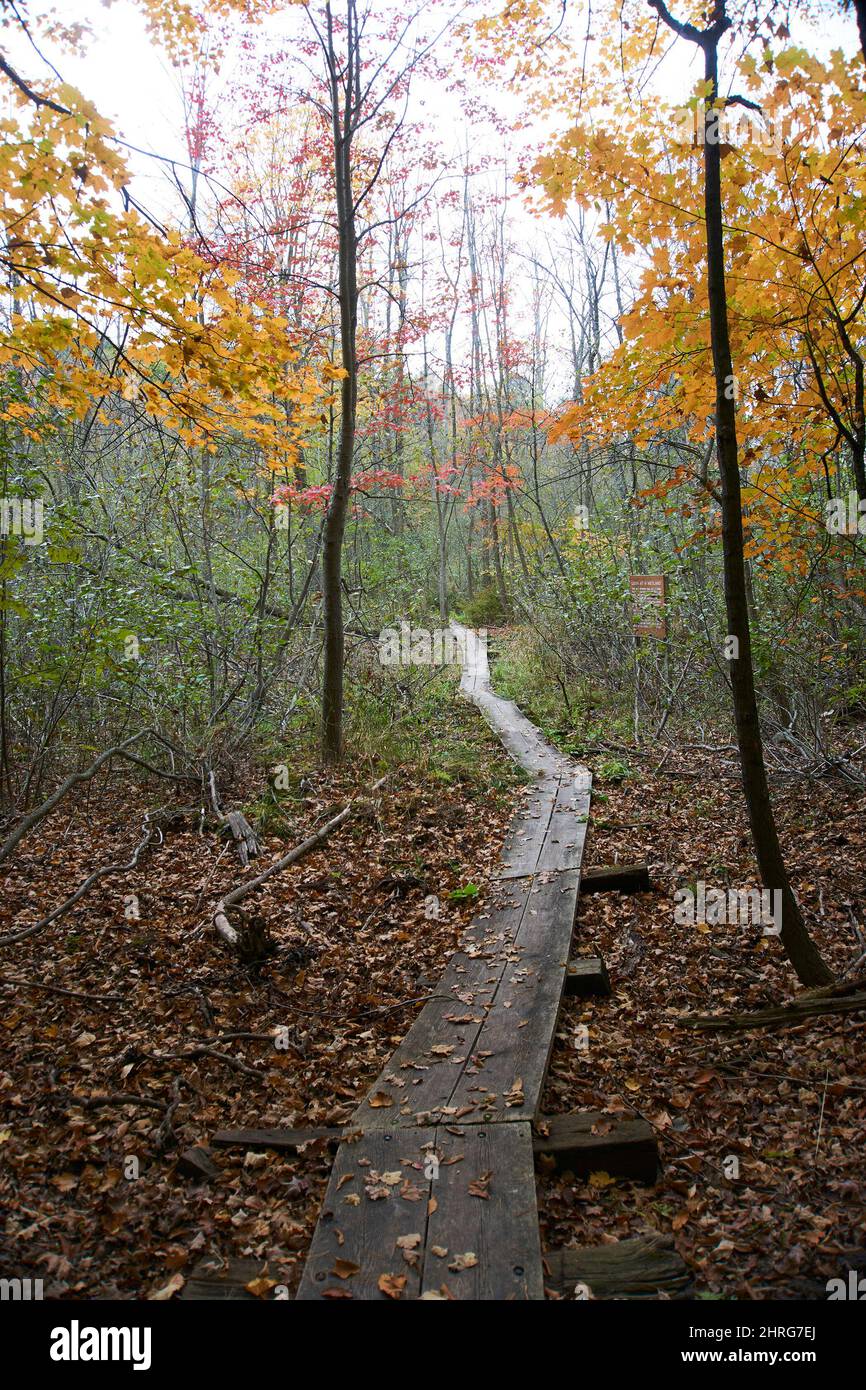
x=134, y=84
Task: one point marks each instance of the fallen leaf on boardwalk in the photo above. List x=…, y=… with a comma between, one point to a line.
x=409, y=1192
x=174, y=1285
x=345, y=1269
x=352, y=1200
x=380, y=1100
x=441, y=1050
x=391, y=1179
x=392, y=1284
x=467, y=1261
x=515, y=1096
x=431, y=1295
x=334, y=1292
x=409, y=1242
x=480, y=1186
x=440, y=1251
x=261, y=1286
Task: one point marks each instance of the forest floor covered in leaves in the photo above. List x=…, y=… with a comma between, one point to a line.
x=163, y=1037
x=114, y=1071
x=788, y=1104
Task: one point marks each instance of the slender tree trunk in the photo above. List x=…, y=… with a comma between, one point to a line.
x=335, y=521
x=796, y=941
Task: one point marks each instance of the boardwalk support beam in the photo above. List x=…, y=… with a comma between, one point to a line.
x=589, y=1141
x=616, y=878
x=640, y=1268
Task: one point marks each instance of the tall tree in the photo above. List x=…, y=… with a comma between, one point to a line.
x=360, y=96
x=798, y=944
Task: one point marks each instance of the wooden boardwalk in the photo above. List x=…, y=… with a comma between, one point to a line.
x=433, y=1193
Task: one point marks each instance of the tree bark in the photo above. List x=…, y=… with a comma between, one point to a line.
x=343, y=115
x=796, y=941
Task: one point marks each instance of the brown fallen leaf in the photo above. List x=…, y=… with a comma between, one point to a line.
x=174, y=1285
x=467, y=1261
x=392, y=1284
x=515, y=1096
x=480, y=1186
x=345, y=1269
x=261, y=1286
x=380, y=1100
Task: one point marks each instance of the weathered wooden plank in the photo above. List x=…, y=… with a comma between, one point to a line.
x=419, y=1081
x=288, y=1139
x=586, y=976
x=378, y=1194
x=504, y=1077
x=563, y=848
x=616, y=878
x=485, y=1216
x=437, y=1169
x=588, y=1141
x=642, y=1267
x=566, y=835
x=528, y=831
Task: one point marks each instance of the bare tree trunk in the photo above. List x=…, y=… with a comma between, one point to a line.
x=798, y=945
x=343, y=113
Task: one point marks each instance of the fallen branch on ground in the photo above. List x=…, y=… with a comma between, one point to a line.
x=111, y=1098
x=249, y=944
x=119, y=751
x=149, y=831
x=811, y=1005
x=245, y=838
x=69, y=993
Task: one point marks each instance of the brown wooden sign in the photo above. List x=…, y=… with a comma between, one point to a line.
x=648, y=593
